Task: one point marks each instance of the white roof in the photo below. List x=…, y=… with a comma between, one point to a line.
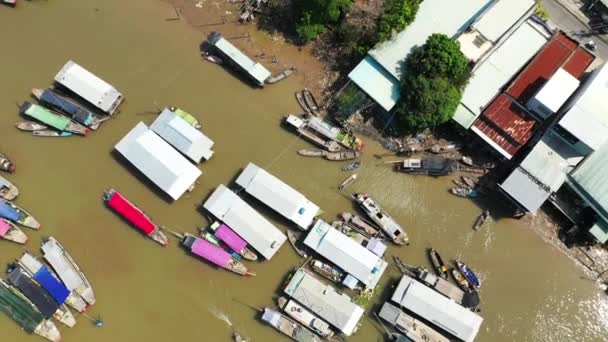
x=188, y=140
x=434, y=307
x=376, y=82
x=55, y=257
x=89, y=87
x=587, y=120
x=496, y=70
x=158, y=161
x=554, y=93
x=335, y=308
x=245, y=221
x=323, y=127
x=294, y=121
x=501, y=16
x=273, y=192
x=256, y=70
x=346, y=253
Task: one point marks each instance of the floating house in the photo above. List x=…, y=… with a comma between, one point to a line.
x=335, y=308
x=273, y=192
x=180, y=134
x=158, y=161
x=259, y=233
x=230, y=54
x=346, y=253
x=90, y=87
x=433, y=307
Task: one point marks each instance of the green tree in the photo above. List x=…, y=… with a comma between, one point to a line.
x=398, y=14
x=313, y=16
x=440, y=56
x=426, y=102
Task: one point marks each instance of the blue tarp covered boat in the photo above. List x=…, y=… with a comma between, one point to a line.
x=52, y=285
x=61, y=104
x=8, y=212
x=37, y=295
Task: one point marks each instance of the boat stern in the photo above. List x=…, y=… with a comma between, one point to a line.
x=31, y=222
x=65, y=316
x=48, y=330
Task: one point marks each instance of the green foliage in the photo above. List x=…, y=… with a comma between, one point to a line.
x=314, y=15
x=432, y=83
x=541, y=12
x=398, y=14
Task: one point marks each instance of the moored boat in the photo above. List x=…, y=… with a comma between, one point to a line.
x=341, y=156
x=414, y=329
x=232, y=240
x=55, y=121
x=10, y=3
x=481, y=219
x=189, y=118
x=464, y=192
x=12, y=212
x=214, y=254
x=470, y=182
x=438, y=264
x=10, y=232
x=51, y=133
x=379, y=216
x=469, y=275
x=326, y=270
x=280, y=76
x=311, y=102
x=54, y=101
x=48, y=279
x=348, y=181
x=212, y=58
x=31, y=126
x=8, y=190
x=301, y=102
x=360, y=224
x=236, y=337
x=67, y=269
x=305, y=317
x=204, y=234
x=293, y=240
x=6, y=164
x=312, y=152
x=462, y=282
x=432, y=166
x=288, y=327
x=351, y=166
x=316, y=131
x=134, y=215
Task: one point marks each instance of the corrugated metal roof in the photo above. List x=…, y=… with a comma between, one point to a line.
x=158, y=161
x=590, y=181
x=279, y=196
x=90, y=87
x=435, y=308
x=497, y=69
x=600, y=231
x=376, y=82
x=262, y=235
x=180, y=134
x=255, y=70
x=501, y=16
x=587, y=120
x=525, y=190
x=322, y=299
x=346, y=253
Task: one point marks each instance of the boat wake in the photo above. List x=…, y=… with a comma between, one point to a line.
x=217, y=313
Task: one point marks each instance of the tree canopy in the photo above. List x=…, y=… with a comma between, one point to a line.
x=314, y=15
x=431, y=87
x=398, y=14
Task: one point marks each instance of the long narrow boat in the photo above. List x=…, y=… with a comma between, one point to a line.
x=11, y=211
x=342, y=156
x=326, y=270
x=380, y=217
x=280, y=76
x=462, y=282
x=10, y=232
x=481, y=219
x=47, y=278
x=6, y=164
x=302, y=129
x=414, y=329
x=15, y=305
x=55, y=121
x=311, y=102
x=40, y=297
x=189, y=118
x=214, y=254
x=48, y=133
x=208, y=236
x=305, y=317
x=10, y=3
x=67, y=269
x=54, y=101
x=288, y=327
x=312, y=152
x=438, y=264
x=293, y=240
x=469, y=275
x=31, y=126
x=300, y=98
x=347, y=182
x=464, y=192
x=134, y=215
x=8, y=190
x=235, y=242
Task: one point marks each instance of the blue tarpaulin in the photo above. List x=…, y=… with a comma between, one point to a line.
x=52, y=285
x=61, y=104
x=7, y=212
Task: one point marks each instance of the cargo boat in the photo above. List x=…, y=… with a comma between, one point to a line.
x=52, y=100
x=55, y=121
x=232, y=240
x=288, y=327
x=305, y=317
x=214, y=254
x=380, y=217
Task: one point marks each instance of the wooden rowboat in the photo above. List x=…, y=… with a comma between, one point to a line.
x=30, y=126
x=312, y=152
x=280, y=76
x=6, y=164
x=51, y=133
x=341, y=156
x=470, y=182
x=438, y=264
x=348, y=181
x=17, y=215
x=213, y=58
x=311, y=102
x=293, y=240
x=8, y=190
x=481, y=219
x=326, y=270
x=301, y=102
x=10, y=232
x=351, y=166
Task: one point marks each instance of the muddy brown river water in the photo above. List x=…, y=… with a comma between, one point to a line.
x=531, y=292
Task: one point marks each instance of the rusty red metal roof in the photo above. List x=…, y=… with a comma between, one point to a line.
x=505, y=123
